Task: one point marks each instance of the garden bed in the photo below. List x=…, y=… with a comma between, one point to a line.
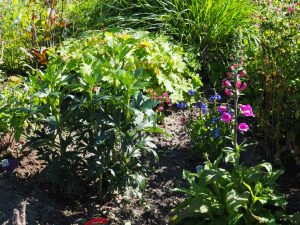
x=45, y=207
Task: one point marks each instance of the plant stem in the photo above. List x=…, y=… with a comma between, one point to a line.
x=236, y=99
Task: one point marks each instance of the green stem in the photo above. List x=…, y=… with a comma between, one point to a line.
x=128, y=105
x=236, y=98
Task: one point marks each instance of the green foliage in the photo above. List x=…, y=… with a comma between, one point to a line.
x=26, y=25
x=206, y=26
x=274, y=70
x=90, y=115
x=208, y=133
x=92, y=140
x=13, y=97
x=218, y=196
x=110, y=56
x=88, y=15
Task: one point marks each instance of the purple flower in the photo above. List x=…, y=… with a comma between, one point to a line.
x=181, y=105
x=204, y=107
x=243, y=127
x=246, y=110
x=214, y=120
x=215, y=97
x=215, y=133
x=191, y=92
x=226, y=117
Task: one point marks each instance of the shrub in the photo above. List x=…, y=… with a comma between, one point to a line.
x=162, y=65
x=274, y=68
x=92, y=118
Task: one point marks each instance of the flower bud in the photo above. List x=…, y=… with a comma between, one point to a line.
x=223, y=82
x=228, y=92
x=242, y=73
x=222, y=108
x=238, y=84
x=229, y=75
x=160, y=108
x=227, y=83
x=244, y=86
x=168, y=101
x=165, y=94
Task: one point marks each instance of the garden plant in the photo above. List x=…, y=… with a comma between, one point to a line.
x=232, y=194
x=103, y=104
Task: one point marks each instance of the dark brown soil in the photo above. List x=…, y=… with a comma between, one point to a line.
x=43, y=207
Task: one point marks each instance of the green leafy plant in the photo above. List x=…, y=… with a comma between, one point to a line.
x=274, y=68
x=91, y=140
x=218, y=196
x=14, y=120
x=208, y=133
x=239, y=195
x=154, y=59
x=90, y=113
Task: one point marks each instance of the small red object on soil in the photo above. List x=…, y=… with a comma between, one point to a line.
x=97, y=221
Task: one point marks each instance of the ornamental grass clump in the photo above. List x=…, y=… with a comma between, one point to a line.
x=226, y=192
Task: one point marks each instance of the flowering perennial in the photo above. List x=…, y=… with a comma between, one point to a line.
x=236, y=76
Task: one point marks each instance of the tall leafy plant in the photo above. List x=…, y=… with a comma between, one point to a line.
x=14, y=98
x=240, y=195
x=92, y=140
x=92, y=115
x=274, y=65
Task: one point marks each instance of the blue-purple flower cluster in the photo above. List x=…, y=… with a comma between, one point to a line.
x=203, y=106
x=214, y=98
x=215, y=133
x=181, y=105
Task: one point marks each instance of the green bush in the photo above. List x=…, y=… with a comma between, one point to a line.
x=91, y=117
x=274, y=70
x=160, y=64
